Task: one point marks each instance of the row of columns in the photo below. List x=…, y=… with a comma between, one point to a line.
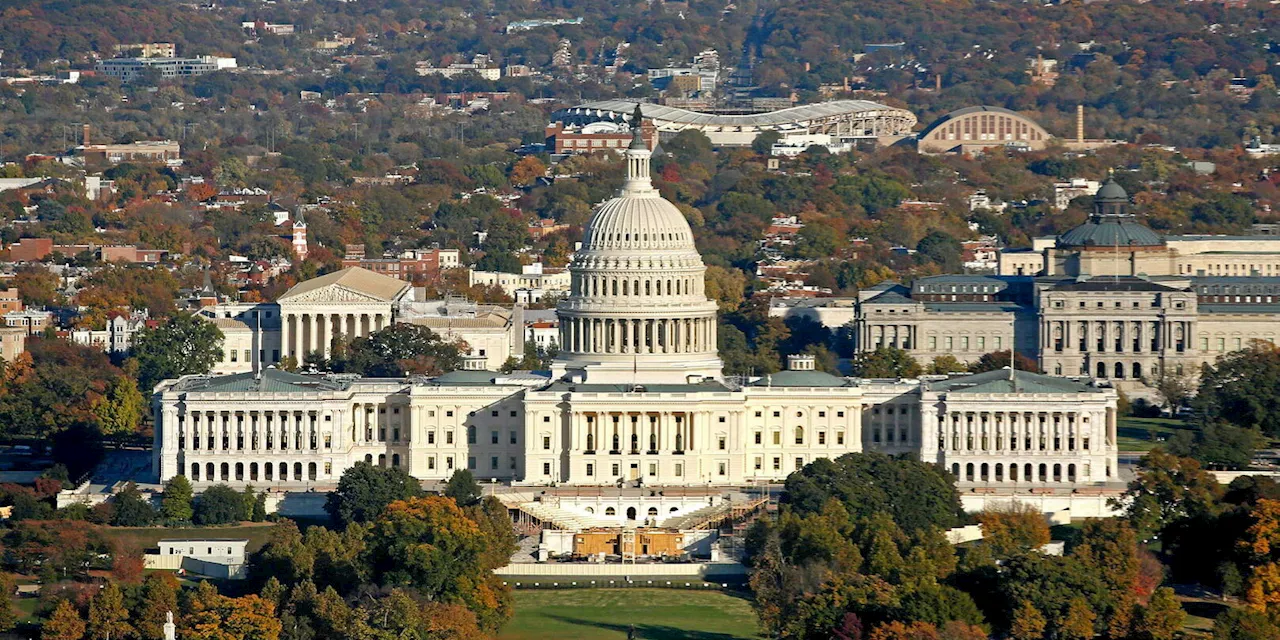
x=989, y=431
x=225, y=431
x=901, y=336
x=1114, y=336
x=609, y=286
x=305, y=333
x=635, y=432
x=613, y=336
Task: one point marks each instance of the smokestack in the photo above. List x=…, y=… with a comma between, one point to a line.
x=1080, y=124
x=84, y=136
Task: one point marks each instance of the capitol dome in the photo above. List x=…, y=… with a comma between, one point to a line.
x=637, y=310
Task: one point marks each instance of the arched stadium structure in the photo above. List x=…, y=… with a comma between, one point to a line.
x=843, y=120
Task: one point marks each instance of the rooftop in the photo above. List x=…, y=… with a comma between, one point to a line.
x=1000, y=381
x=270, y=380
x=357, y=279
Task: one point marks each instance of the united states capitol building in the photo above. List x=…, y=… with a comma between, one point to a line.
x=636, y=396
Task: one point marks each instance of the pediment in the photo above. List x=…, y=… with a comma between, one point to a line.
x=333, y=293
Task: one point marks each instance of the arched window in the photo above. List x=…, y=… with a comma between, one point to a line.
x=679, y=441
x=226, y=471
x=591, y=442
x=1102, y=369
x=608, y=511
x=653, y=512
x=631, y=513
x=635, y=442
x=239, y=471
x=382, y=459
x=653, y=442
x=968, y=471
x=799, y=435
x=591, y=510
x=195, y=471
x=311, y=471
x=616, y=444
x=1137, y=370
x=624, y=287
x=1120, y=370
x=253, y=471
x=395, y=460
x=268, y=471
x=297, y=471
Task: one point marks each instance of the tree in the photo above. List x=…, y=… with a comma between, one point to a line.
x=1243, y=623
x=365, y=490
x=399, y=350
x=904, y=631
x=1243, y=388
x=463, y=488
x=175, y=506
x=916, y=494
x=763, y=143
x=943, y=249
x=1167, y=488
x=1078, y=623
x=220, y=504
x=1163, y=618
x=1217, y=443
x=159, y=597
x=526, y=171
x=1013, y=528
x=726, y=286
x=120, y=412
x=946, y=363
x=1027, y=623
x=1174, y=388
x=108, y=617
x=430, y=544
x=886, y=362
x=184, y=345
x=216, y=617
x=64, y=624
x=997, y=360
x=131, y=509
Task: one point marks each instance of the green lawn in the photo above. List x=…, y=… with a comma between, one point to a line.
x=1136, y=434
x=605, y=614
x=149, y=537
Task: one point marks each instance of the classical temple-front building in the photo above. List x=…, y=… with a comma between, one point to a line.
x=636, y=396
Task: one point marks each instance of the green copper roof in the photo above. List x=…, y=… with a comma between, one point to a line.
x=800, y=379
x=1110, y=231
x=1000, y=381
x=465, y=378
x=268, y=381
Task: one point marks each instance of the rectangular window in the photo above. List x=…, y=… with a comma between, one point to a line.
x=777, y=437
x=822, y=437
x=679, y=469
x=724, y=469
x=546, y=468
x=591, y=470
x=431, y=462
x=614, y=470
x=982, y=343
x=799, y=463
x=513, y=437
x=949, y=342
x=493, y=463
x=448, y=437
x=1204, y=344
x=512, y=462
x=759, y=463
x=431, y=437
x=448, y=463
x=759, y=438
x=653, y=469
x=546, y=443
x=777, y=463
x=493, y=437
x=933, y=342
x=471, y=462
x=964, y=343
x=722, y=443
x=839, y=437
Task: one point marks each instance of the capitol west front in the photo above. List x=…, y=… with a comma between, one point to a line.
x=636, y=395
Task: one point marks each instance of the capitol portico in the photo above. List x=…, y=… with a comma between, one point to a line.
x=636, y=394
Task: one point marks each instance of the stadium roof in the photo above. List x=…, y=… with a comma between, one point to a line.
x=803, y=113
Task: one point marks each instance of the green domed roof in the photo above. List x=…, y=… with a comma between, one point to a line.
x=1112, y=192
x=1110, y=231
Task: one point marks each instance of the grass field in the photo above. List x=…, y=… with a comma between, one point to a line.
x=605, y=614
x=1140, y=434
x=149, y=537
